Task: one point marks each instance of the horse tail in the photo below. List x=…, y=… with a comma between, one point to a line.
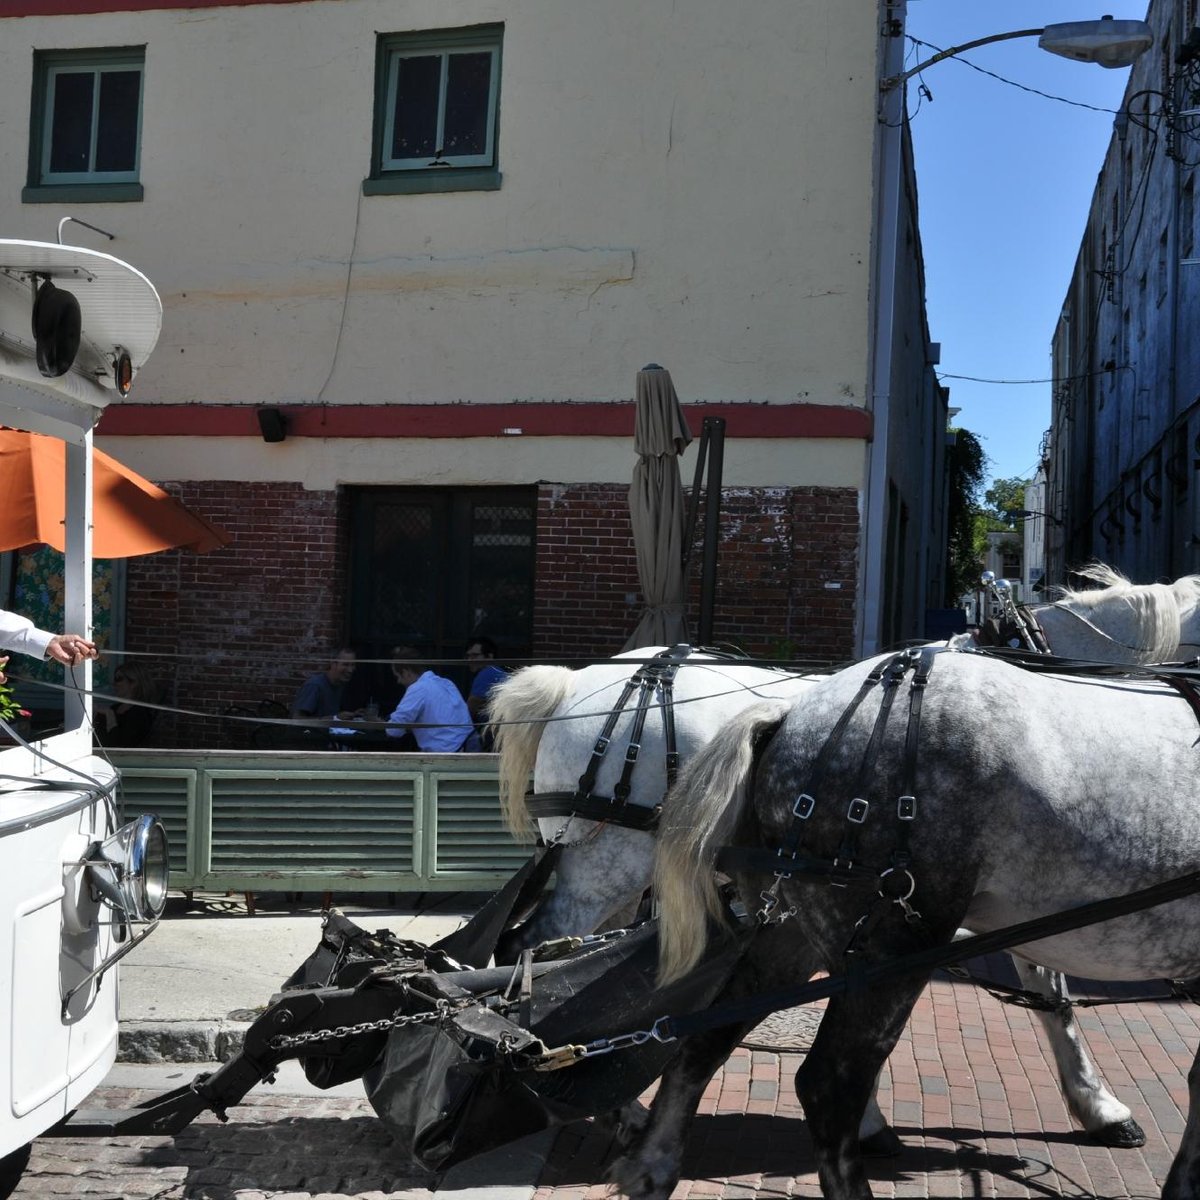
x=699, y=816
x=518, y=709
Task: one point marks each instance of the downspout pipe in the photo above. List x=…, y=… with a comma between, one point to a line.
x=884, y=267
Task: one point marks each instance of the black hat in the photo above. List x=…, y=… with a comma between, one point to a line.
x=56, y=328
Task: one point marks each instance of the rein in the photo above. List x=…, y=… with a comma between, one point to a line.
x=1058, y=606
x=930, y=959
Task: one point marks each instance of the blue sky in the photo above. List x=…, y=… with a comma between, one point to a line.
x=1005, y=179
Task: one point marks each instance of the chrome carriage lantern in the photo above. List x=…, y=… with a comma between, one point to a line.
x=130, y=871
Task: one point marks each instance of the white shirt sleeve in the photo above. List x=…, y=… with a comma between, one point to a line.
x=21, y=635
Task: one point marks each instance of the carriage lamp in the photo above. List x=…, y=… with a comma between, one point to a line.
x=130, y=870
x=122, y=371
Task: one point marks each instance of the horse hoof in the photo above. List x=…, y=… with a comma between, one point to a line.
x=884, y=1144
x=1120, y=1135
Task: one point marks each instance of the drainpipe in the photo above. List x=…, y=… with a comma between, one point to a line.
x=1177, y=553
x=889, y=176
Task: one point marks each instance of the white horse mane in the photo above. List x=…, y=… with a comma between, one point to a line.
x=1157, y=607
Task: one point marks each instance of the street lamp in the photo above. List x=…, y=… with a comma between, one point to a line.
x=1106, y=42
x=1017, y=514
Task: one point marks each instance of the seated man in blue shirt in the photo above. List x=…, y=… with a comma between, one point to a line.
x=481, y=654
x=431, y=706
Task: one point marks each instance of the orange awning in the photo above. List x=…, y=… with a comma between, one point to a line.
x=130, y=514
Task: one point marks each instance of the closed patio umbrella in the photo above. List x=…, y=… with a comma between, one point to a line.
x=656, y=510
x=130, y=515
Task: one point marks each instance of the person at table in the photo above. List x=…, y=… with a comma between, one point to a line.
x=21, y=636
x=481, y=655
x=431, y=708
x=320, y=695
x=129, y=722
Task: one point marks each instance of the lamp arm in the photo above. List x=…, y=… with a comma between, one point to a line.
x=894, y=81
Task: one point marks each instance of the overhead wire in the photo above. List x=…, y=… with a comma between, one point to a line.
x=966, y=62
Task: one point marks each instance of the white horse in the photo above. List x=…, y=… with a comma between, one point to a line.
x=548, y=720
x=1122, y=622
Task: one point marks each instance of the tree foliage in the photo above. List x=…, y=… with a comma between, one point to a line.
x=966, y=465
x=1003, y=497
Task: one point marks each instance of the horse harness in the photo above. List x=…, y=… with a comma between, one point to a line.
x=894, y=884
x=1016, y=625
x=1016, y=628
x=653, y=679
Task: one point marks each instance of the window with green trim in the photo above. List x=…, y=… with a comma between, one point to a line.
x=86, y=117
x=436, y=108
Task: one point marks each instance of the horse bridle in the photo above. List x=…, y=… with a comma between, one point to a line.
x=654, y=678
x=1017, y=627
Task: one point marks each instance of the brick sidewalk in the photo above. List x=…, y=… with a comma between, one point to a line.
x=971, y=1091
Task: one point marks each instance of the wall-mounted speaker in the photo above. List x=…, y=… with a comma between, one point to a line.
x=273, y=424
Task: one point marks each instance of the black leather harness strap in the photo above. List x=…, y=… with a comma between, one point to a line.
x=1186, y=688
x=653, y=678
x=594, y=808
x=1032, y=629
x=860, y=806
x=906, y=802
x=894, y=884
x=788, y=860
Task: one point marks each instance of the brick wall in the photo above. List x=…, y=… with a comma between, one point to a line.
x=250, y=621
x=785, y=572
x=245, y=622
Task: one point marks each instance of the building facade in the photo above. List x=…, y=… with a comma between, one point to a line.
x=412, y=255
x=1124, y=445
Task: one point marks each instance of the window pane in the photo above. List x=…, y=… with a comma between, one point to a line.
x=414, y=130
x=71, y=123
x=467, y=89
x=403, y=583
x=116, y=137
x=502, y=571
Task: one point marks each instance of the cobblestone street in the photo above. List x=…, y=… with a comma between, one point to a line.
x=970, y=1090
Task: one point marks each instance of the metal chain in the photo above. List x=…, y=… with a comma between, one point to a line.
x=563, y=1056
x=284, y=1041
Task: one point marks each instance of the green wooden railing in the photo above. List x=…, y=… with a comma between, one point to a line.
x=304, y=821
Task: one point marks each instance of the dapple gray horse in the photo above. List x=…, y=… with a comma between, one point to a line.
x=548, y=719
x=1033, y=794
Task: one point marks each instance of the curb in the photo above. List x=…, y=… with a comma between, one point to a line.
x=180, y=1041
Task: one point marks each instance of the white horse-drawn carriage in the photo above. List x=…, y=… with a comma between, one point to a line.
x=76, y=891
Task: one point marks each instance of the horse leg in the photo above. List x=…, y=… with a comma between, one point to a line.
x=594, y=881
x=650, y=1166
x=835, y=1081
x=1183, y=1180
x=653, y=1159
x=1104, y=1118
x=876, y=1138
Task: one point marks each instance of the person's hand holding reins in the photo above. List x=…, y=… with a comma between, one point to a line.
x=70, y=649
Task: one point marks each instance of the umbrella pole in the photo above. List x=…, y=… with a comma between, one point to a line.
x=714, y=433
x=694, y=500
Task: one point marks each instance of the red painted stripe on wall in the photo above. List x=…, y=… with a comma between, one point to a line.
x=582, y=419
x=75, y=8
